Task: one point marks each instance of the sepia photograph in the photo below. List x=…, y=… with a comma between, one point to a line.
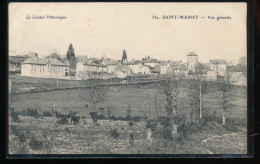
x=127, y=78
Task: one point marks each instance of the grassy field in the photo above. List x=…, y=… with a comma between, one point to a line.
x=88, y=137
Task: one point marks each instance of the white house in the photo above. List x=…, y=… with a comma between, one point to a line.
x=135, y=68
x=237, y=78
x=111, y=65
x=219, y=66
x=86, y=67
x=144, y=69
x=89, y=67
x=152, y=64
x=120, y=74
x=122, y=71
x=43, y=67
x=165, y=67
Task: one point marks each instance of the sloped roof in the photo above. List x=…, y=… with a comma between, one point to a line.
x=192, y=54
x=157, y=68
x=111, y=62
x=122, y=68
x=43, y=61
x=234, y=76
x=101, y=65
x=175, y=62
x=218, y=61
x=134, y=62
x=164, y=63
x=179, y=66
x=89, y=62
x=81, y=58
x=150, y=67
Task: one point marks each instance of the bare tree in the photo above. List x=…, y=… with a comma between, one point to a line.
x=225, y=88
x=198, y=86
x=95, y=90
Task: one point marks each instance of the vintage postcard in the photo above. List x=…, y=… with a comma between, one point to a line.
x=127, y=78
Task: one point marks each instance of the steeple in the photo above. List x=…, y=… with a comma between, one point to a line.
x=124, y=57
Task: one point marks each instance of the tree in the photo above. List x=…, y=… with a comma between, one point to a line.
x=95, y=91
x=70, y=52
x=54, y=54
x=124, y=57
x=168, y=86
x=242, y=65
x=70, y=56
x=198, y=86
x=13, y=96
x=225, y=88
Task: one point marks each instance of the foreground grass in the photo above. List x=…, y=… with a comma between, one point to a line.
x=95, y=138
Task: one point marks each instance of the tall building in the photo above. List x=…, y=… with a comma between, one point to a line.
x=192, y=61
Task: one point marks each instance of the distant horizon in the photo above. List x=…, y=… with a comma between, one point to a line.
x=106, y=29
x=185, y=60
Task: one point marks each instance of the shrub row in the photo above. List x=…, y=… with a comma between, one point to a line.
x=95, y=116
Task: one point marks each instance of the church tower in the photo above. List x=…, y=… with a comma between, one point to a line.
x=124, y=57
x=192, y=61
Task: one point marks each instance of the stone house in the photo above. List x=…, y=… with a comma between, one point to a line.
x=237, y=78
x=219, y=66
x=43, y=67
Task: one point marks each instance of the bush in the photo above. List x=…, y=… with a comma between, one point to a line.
x=137, y=118
x=231, y=125
x=101, y=117
x=166, y=133
x=152, y=124
x=94, y=116
x=121, y=118
x=30, y=112
x=75, y=119
x=46, y=114
x=19, y=132
x=131, y=123
x=114, y=133
x=164, y=121
x=14, y=115
x=113, y=118
x=59, y=115
x=35, y=144
x=63, y=120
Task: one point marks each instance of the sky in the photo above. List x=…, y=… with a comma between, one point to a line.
x=106, y=29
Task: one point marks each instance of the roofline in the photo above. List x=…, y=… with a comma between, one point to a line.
x=45, y=64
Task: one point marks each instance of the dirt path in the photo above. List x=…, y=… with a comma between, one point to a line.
x=217, y=136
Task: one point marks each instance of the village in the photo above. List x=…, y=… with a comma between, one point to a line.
x=85, y=105
x=81, y=67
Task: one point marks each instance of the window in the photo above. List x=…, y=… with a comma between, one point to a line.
x=42, y=70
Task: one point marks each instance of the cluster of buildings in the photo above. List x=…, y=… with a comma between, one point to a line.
x=53, y=68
